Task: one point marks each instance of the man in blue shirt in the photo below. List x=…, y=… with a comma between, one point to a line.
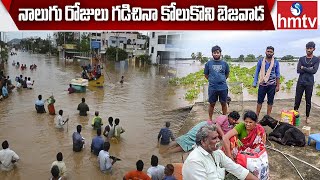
x=77, y=139
x=268, y=71
x=217, y=71
x=307, y=66
x=97, y=143
x=165, y=134
x=39, y=105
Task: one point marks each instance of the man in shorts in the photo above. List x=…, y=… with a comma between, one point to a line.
x=216, y=72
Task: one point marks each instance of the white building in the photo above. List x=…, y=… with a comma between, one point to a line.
x=129, y=41
x=164, y=46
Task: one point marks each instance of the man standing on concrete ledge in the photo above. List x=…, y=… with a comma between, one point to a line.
x=307, y=67
x=217, y=71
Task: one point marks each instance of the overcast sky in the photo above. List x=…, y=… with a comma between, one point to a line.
x=232, y=43
x=235, y=43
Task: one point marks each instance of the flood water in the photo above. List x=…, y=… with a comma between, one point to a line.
x=143, y=104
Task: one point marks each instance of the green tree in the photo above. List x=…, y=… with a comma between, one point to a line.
x=241, y=58
x=227, y=57
x=144, y=58
x=199, y=56
x=287, y=57
x=250, y=57
x=84, y=45
x=204, y=60
x=68, y=36
x=193, y=56
x=112, y=51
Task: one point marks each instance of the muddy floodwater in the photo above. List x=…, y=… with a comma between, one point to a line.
x=143, y=104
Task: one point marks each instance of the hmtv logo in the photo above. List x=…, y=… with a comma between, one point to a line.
x=297, y=15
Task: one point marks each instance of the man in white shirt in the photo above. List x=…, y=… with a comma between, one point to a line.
x=206, y=162
x=155, y=172
x=60, y=121
x=61, y=165
x=29, y=83
x=104, y=160
x=7, y=157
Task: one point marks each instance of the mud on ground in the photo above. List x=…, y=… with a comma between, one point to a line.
x=280, y=167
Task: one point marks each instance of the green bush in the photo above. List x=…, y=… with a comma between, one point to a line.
x=111, y=54
x=144, y=58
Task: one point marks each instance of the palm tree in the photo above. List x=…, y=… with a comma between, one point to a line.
x=193, y=56
x=199, y=56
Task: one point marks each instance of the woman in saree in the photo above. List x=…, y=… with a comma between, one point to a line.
x=51, y=108
x=247, y=134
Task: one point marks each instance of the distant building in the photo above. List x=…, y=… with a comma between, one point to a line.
x=164, y=46
x=131, y=42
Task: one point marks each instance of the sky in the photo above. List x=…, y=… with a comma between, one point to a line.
x=235, y=43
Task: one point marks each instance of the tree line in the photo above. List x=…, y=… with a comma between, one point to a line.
x=249, y=58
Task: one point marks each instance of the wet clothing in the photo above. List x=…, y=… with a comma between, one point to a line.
x=97, y=145
x=39, y=105
x=62, y=167
x=96, y=122
x=104, y=161
x=71, y=90
x=6, y=156
x=110, y=130
x=77, y=142
x=165, y=134
x=118, y=130
x=306, y=81
x=4, y=91
x=83, y=108
x=59, y=121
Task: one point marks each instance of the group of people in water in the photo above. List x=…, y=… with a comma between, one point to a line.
x=7, y=86
x=91, y=73
x=23, y=66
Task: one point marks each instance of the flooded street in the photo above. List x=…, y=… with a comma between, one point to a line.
x=143, y=105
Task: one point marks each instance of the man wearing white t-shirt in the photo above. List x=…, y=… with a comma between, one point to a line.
x=60, y=121
x=29, y=83
x=7, y=157
x=104, y=160
x=155, y=172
